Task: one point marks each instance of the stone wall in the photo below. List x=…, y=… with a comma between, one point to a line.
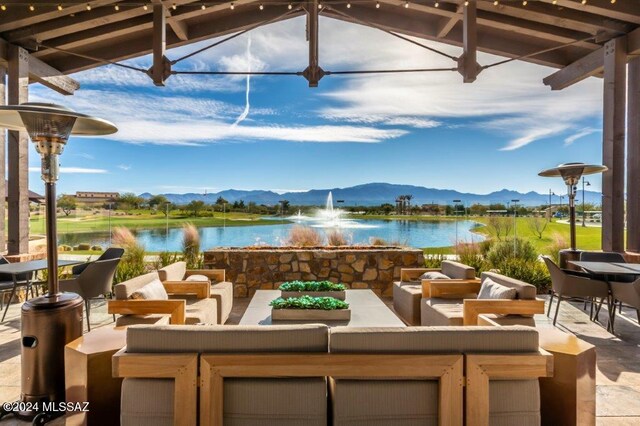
x=265, y=268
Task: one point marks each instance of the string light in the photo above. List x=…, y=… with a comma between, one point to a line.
x=145, y=7
x=584, y=1
x=437, y=4
x=3, y=7
x=174, y=6
x=232, y=6
x=59, y=7
x=525, y=2
x=116, y=7
x=496, y=2
x=555, y=2
x=613, y=1
x=406, y=5
x=88, y=6
x=319, y=5
x=31, y=8
x=261, y=6
x=203, y=7
x=466, y=3
x=377, y=5
x=348, y=5
x=290, y=6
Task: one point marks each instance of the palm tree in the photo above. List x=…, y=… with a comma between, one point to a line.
x=408, y=198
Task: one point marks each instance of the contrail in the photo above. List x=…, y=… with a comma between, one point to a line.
x=247, y=106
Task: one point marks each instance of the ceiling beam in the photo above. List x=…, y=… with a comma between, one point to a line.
x=157, y=71
x=623, y=10
x=19, y=16
x=130, y=45
x=449, y=23
x=40, y=72
x=588, y=66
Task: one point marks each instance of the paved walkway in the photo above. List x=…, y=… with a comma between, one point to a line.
x=617, y=374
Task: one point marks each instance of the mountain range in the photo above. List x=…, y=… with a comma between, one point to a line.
x=370, y=194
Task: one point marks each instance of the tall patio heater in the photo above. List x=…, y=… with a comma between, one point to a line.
x=571, y=174
x=51, y=321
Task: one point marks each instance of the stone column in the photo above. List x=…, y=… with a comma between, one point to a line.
x=633, y=157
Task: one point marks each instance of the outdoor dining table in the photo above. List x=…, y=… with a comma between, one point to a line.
x=608, y=270
x=27, y=268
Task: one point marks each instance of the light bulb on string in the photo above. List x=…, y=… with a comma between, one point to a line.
x=88, y=7
x=261, y=7
x=59, y=7
x=232, y=6
x=116, y=7
x=377, y=5
x=406, y=5
x=145, y=7
x=348, y=5
x=31, y=8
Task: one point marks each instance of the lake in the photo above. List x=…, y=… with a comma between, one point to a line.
x=413, y=233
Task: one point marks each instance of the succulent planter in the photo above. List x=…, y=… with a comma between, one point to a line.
x=310, y=315
x=340, y=295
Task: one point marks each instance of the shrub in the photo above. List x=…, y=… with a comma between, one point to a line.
x=96, y=248
x=191, y=247
x=470, y=254
x=303, y=236
x=84, y=246
x=377, y=241
x=558, y=242
x=434, y=261
x=485, y=246
x=532, y=272
x=165, y=258
x=132, y=262
x=312, y=286
x=503, y=250
x=336, y=238
x=65, y=248
x=308, y=302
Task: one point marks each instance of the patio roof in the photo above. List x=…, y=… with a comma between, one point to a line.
x=44, y=41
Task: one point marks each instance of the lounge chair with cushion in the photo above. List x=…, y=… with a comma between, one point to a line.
x=509, y=301
x=407, y=292
x=147, y=300
x=221, y=290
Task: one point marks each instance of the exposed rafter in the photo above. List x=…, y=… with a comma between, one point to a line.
x=626, y=11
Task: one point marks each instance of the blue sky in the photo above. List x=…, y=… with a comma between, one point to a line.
x=424, y=129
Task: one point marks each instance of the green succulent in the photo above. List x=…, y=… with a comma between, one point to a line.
x=308, y=302
x=312, y=286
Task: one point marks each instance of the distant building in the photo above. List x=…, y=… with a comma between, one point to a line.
x=33, y=197
x=96, y=197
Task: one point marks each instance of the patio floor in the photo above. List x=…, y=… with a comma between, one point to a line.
x=618, y=365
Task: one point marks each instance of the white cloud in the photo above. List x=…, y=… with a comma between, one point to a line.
x=72, y=170
x=125, y=167
x=580, y=134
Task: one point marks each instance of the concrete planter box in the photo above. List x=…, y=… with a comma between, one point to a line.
x=310, y=315
x=340, y=295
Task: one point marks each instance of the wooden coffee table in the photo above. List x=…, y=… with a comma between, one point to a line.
x=367, y=310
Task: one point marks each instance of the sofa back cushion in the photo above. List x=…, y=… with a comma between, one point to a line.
x=492, y=290
x=457, y=270
x=434, y=340
x=125, y=289
x=524, y=291
x=228, y=339
x=174, y=272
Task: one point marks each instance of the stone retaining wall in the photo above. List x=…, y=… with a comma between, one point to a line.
x=256, y=269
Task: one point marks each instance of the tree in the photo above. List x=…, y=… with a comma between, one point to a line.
x=67, y=203
x=129, y=200
x=477, y=210
x=537, y=225
x=195, y=206
x=284, y=205
x=157, y=201
x=386, y=208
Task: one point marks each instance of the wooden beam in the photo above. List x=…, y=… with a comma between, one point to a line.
x=3, y=163
x=583, y=68
x=615, y=77
x=623, y=10
x=19, y=16
x=158, y=73
x=576, y=20
x=18, y=161
x=180, y=28
x=313, y=73
x=468, y=65
x=633, y=157
x=449, y=23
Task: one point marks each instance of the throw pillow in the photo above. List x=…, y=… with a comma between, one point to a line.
x=433, y=275
x=197, y=277
x=492, y=290
x=154, y=290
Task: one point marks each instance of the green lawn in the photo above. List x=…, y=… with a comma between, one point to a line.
x=143, y=219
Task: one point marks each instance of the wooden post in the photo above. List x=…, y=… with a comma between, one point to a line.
x=18, y=150
x=467, y=63
x=633, y=157
x=615, y=76
x=159, y=44
x=3, y=171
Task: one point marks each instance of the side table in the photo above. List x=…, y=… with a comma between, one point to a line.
x=88, y=377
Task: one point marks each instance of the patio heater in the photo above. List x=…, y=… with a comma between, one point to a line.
x=51, y=321
x=571, y=174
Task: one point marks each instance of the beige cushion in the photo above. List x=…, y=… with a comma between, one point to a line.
x=492, y=290
x=524, y=290
x=222, y=292
x=201, y=311
x=228, y=339
x=441, y=312
x=125, y=289
x=433, y=340
x=433, y=275
x=457, y=270
x=126, y=320
x=197, y=277
x=174, y=272
x=146, y=402
x=151, y=291
x=406, y=301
